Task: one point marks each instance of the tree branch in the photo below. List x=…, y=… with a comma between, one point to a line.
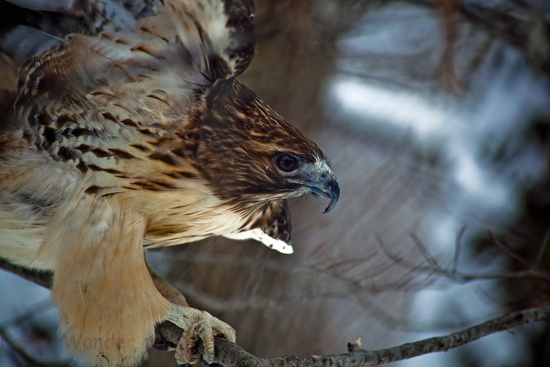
x=43, y=278
x=230, y=354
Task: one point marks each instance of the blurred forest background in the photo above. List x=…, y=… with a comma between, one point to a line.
x=436, y=118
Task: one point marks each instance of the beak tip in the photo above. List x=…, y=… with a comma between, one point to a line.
x=334, y=195
x=330, y=206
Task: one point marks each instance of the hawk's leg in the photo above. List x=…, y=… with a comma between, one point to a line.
x=165, y=342
x=197, y=324
x=167, y=290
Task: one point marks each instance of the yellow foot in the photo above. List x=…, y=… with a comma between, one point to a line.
x=197, y=324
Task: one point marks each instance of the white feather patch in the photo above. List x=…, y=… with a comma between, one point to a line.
x=258, y=235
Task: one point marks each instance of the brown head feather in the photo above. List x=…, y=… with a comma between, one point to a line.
x=240, y=136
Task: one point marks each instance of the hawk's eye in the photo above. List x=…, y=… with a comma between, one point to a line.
x=286, y=162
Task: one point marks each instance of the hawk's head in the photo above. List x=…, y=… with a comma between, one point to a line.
x=249, y=154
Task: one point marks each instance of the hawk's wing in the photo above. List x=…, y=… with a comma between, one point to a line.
x=183, y=48
x=95, y=84
x=219, y=35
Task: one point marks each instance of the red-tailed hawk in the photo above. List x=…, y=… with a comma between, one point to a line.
x=136, y=134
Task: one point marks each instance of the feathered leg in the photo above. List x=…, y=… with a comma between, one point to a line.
x=108, y=302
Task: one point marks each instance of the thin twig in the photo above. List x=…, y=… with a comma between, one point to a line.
x=458, y=249
x=542, y=250
x=28, y=360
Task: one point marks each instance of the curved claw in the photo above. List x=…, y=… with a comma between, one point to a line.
x=197, y=325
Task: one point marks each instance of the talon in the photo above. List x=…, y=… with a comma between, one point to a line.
x=197, y=325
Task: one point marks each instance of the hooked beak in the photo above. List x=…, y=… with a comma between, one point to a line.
x=328, y=188
x=325, y=184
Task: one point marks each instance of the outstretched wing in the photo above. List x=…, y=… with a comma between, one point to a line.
x=100, y=90
x=218, y=34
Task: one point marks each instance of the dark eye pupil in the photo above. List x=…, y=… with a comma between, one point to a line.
x=287, y=162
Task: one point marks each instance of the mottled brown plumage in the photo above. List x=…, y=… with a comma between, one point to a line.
x=144, y=138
